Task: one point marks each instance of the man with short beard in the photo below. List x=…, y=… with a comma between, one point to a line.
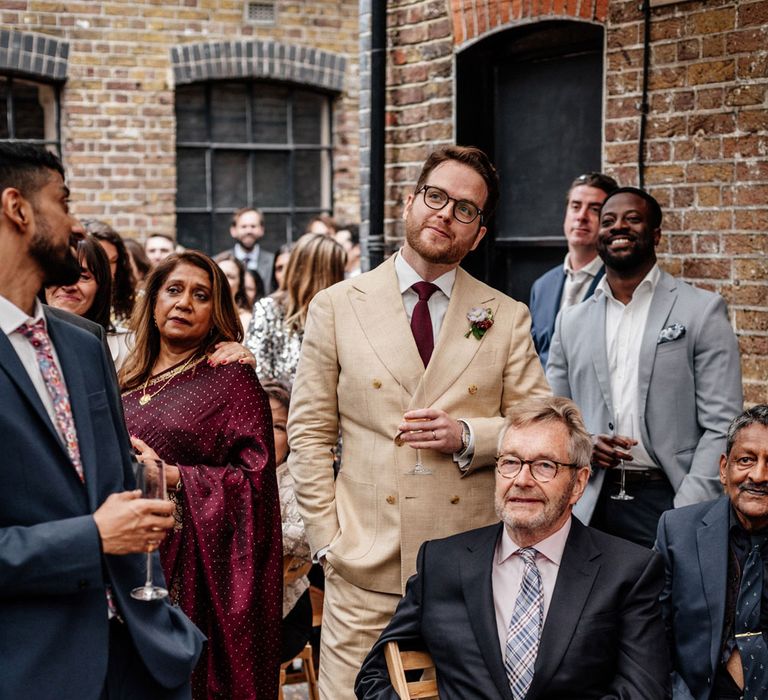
x=74, y=532
x=654, y=365
x=416, y=363
x=538, y=606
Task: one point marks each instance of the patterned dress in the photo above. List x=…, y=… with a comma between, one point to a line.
x=223, y=561
x=275, y=345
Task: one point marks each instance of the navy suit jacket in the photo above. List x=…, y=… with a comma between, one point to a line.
x=693, y=541
x=546, y=293
x=603, y=636
x=53, y=613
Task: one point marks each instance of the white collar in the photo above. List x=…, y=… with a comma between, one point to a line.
x=11, y=316
x=407, y=276
x=591, y=268
x=551, y=547
x=648, y=282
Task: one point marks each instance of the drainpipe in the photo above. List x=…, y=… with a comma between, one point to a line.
x=378, y=58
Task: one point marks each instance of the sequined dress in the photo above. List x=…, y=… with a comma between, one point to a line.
x=223, y=561
x=275, y=345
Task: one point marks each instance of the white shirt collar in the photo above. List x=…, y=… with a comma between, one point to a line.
x=11, y=316
x=648, y=282
x=591, y=268
x=551, y=547
x=407, y=277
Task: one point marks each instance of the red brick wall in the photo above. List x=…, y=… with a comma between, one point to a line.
x=118, y=126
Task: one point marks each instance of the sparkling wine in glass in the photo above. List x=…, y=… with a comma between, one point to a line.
x=622, y=495
x=150, y=478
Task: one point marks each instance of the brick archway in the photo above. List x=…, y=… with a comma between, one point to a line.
x=220, y=60
x=33, y=55
x=473, y=19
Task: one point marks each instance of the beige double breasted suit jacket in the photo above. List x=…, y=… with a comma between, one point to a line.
x=360, y=371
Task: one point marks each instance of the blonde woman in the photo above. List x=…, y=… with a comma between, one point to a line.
x=277, y=327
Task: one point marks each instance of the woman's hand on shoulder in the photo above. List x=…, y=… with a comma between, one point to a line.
x=230, y=352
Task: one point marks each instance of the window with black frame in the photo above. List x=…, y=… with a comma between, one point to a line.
x=29, y=111
x=254, y=144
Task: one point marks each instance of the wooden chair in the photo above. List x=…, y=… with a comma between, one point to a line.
x=398, y=662
x=306, y=674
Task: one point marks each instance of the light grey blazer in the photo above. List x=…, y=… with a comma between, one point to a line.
x=689, y=384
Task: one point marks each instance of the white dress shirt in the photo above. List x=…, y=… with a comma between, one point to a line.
x=577, y=281
x=249, y=258
x=11, y=317
x=624, y=328
x=508, y=569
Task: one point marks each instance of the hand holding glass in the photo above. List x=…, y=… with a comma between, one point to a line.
x=150, y=478
x=622, y=495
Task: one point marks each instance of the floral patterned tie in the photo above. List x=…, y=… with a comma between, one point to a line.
x=38, y=336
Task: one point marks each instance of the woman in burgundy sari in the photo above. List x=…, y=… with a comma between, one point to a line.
x=212, y=425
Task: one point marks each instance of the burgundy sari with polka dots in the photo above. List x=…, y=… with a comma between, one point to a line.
x=223, y=561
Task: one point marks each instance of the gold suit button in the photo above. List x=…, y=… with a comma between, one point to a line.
x=377, y=383
x=455, y=499
x=472, y=389
x=391, y=500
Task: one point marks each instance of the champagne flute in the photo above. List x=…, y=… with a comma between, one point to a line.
x=418, y=469
x=150, y=478
x=622, y=495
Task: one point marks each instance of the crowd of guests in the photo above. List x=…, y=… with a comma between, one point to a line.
x=355, y=426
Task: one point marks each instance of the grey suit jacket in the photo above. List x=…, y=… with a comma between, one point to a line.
x=689, y=387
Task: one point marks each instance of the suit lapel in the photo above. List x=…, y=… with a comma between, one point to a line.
x=712, y=546
x=553, y=303
x=595, y=281
x=599, y=352
x=475, y=568
x=453, y=352
x=575, y=579
x=663, y=300
x=378, y=306
x=72, y=369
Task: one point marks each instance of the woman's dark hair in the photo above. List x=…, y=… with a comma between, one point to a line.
x=225, y=323
x=90, y=254
x=241, y=298
x=139, y=257
x=282, y=250
x=123, y=284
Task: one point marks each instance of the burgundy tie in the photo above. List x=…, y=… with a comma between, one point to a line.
x=421, y=321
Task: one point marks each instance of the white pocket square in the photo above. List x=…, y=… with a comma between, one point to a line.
x=670, y=333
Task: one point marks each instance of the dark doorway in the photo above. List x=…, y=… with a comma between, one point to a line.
x=532, y=98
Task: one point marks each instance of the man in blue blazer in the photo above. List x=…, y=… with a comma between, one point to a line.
x=592, y=599
x=654, y=365
x=72, y=527
x=705, y=550
x=576, y=279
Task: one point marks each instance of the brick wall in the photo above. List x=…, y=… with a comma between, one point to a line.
x=706, y=151
x=118, y=126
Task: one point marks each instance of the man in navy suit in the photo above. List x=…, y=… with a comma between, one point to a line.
x=715, y=558
x=538, y=606
x=72, y=527
x=576, y=279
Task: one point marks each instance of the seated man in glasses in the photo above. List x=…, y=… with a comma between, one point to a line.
x=539, y=605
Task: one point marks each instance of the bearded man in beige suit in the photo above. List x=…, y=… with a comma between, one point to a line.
x=380, y=360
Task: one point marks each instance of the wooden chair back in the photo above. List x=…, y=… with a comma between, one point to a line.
x=398, y=662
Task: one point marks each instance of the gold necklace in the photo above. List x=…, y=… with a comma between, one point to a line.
x=146, y=397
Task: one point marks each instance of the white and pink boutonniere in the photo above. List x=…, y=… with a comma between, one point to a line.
x=480, y=320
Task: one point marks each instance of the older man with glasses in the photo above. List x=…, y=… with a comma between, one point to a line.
x=417, y=364
x=539, y=605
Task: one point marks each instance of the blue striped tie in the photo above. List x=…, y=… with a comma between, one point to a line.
x=525, y=626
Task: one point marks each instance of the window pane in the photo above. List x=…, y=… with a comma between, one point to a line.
x=192, y=231
x=274, y=231
x=190, y=114
x=229, y=108
x=29, y=117
x=3, y=109
x=271, y=184
x=307, y=179
x=230, y=179
x=221, y=238
x=190, y=178
x=270, y=115
x=308, y=118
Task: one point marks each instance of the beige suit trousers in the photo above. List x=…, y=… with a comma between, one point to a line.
x=353, y=619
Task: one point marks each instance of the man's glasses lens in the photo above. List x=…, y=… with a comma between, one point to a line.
x=464, y=211
x=541, y=469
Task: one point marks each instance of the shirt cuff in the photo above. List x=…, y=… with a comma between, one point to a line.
x=320, y=554
x=463, y=457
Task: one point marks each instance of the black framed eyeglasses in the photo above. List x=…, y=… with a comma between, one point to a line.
x=543, y=470
x=463, y=211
